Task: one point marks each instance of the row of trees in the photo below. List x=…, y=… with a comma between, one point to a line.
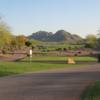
x=8, y=41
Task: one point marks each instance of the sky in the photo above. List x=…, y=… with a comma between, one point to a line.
x=80, y=17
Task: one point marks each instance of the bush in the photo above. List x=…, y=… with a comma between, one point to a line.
x=3, y=51
x=98, y=58
x=28, y=43
x=92, y=92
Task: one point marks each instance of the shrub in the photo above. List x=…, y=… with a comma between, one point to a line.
x=98, y=58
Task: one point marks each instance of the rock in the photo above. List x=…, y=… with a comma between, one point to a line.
x=71, y=61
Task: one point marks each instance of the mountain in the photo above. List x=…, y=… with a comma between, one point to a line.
x=41, y=35
x=59, y=36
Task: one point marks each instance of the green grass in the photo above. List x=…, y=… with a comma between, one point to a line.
x=53, y=46
x=9, y=68
x=48, y=58
x=43, y=63
x=92, y=92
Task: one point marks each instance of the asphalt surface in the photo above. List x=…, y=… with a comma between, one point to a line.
x=61, y=84
x=14, y=57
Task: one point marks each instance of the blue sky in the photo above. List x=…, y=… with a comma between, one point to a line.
x=27, y=16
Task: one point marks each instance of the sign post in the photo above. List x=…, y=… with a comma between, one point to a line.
x=30, y=53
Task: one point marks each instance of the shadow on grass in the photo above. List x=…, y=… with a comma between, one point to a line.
x=6, y=73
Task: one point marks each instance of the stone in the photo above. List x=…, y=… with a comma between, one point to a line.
x=71, y=61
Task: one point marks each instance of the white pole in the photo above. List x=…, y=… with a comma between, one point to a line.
x=30, y=55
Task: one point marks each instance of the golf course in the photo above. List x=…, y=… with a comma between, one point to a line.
x=49, y=50
x=41, y=63
x=50, y=72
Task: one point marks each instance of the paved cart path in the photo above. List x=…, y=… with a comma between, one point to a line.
x=60, y=84
x=14, y=57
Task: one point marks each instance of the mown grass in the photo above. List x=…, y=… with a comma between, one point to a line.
x=48, y=58
x=92, y=92
x=10, y=68
x=53, y=46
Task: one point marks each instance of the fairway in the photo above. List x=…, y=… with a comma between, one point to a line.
x=54, y=58
x=10, y=68
x=42, y=63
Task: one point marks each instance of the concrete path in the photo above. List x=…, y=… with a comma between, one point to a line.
x=13, y=57
x=61, y=84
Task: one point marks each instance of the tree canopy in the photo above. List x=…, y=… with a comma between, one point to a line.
x=5, y=34
x=91, y=40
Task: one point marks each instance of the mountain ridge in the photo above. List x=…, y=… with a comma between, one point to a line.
x=59, y=36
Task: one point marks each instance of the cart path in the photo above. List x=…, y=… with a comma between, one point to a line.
x=14, y=57
x=61, y=84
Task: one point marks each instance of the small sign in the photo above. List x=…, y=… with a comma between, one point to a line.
x=30, y=52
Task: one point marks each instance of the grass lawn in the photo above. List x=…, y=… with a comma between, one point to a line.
x=48, y=58
x=52, y=46
x=92, y=92
x=10, y=68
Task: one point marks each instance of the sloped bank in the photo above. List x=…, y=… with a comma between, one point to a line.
x=92, y=92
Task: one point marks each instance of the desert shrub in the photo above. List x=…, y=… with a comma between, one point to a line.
x=98, y=56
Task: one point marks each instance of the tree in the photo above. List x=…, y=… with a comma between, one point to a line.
x=98, y=41
x=98, y=36
x=21, y=40
x=91, y=41
x=5, y=35
x=28, y=43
